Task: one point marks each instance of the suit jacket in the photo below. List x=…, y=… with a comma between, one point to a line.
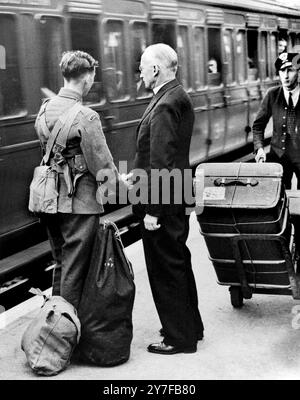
x=274, y=105
x=163, y=142
x=87, y=138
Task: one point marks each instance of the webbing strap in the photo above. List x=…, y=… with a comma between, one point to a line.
x=60, y=130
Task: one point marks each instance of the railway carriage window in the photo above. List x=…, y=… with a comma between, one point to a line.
x=291, y=41
x=252, y=59
x=241, y=56
x=183, y=56
x=274, y=53
x=52, y=47
x=297, y=43
x=139, y=44
x=264, y=55
x=214, y=53
x=164, y=32
x=228, y=53
x=84, y=36
x=198, y=58
x=114, y=58
x=11, y=97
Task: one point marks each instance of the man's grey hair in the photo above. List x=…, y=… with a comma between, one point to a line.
x=164, y=55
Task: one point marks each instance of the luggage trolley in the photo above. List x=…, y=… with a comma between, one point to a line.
x=244, y=216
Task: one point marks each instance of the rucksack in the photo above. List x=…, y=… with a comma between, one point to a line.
x=43, y=190
x=51, y=337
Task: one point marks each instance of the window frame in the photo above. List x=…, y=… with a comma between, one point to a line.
x=24, y=112
x=244, y=64
x=105, y=23
x=132, y=24
x=204, y=58
x=98, y=57
x=189, y=88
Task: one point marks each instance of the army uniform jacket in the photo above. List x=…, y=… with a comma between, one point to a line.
x=274, y=105
x=86, y=136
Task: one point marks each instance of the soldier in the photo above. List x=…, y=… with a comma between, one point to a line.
x=72, y=229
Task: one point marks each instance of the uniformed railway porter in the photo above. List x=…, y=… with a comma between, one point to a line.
x=72, y=229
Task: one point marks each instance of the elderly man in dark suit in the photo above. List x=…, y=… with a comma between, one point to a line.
x=282, y=104
x=163, y=142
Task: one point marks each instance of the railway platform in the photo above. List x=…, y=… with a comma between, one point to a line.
x=260, y=341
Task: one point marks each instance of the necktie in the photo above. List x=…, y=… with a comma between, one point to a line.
x=291, y=117
x=291, y=104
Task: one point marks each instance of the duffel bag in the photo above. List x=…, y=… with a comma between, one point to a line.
x=105, y=309
x=51, y=337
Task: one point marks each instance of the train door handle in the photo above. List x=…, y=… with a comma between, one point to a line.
x=109, y=117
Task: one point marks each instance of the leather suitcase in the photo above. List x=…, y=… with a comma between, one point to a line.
x=245, y=223
x=241, y=197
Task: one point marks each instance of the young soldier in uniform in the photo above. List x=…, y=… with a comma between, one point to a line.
x=72, y=229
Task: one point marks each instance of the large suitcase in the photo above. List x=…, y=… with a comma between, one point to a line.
x=243, y=214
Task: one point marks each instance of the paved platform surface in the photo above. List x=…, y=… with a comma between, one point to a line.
x=260, y=341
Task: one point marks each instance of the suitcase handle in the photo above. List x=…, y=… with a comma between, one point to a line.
x=237, y=182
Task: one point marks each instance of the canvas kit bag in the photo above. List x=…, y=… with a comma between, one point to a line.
x=51, y=337
x=105, y=309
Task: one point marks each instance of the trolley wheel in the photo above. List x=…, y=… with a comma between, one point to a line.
x=236, y=296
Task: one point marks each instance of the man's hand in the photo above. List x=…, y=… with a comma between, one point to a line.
x=260, y=155
x=150, y=223
x=127, y=180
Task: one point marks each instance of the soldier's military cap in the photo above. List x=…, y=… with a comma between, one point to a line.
x=286, y=60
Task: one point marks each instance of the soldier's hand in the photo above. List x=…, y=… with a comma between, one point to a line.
x=260, y=155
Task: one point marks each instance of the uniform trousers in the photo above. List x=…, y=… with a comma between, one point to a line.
x=172, y=281
x=71, y=238
x=290, y=163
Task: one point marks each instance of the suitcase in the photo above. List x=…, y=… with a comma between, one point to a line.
x=243, y=214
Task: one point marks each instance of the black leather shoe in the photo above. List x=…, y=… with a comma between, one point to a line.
x=200, y=335
x=162, y=348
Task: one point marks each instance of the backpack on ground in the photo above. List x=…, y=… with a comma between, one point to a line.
x=51, y=337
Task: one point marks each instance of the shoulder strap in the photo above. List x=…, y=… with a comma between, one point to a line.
x=61, y=129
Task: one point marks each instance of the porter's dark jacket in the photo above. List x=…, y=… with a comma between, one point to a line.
x=274, y=105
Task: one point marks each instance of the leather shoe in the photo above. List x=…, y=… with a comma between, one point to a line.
x=200, y=335
x=162, y=348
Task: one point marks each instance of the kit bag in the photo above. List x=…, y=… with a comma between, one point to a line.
x=51, y=337
x=105, y=310
x=43, y=190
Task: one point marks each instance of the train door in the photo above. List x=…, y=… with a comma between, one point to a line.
x=216, y=113
x=192, y=73
x=125, y=37
x=20, y=150
x=236, y=97
x=201, y=141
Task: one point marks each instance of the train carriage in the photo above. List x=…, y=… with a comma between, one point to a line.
x=240, y=36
